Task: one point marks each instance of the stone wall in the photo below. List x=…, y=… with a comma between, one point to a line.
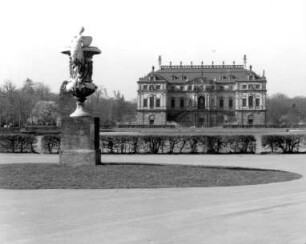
x=151, y=117
x=256, y=118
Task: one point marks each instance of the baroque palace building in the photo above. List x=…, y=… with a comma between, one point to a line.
x=202, y=96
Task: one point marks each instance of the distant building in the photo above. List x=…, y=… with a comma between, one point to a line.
x=202, y=96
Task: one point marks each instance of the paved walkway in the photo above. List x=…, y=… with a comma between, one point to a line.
x=270, y=213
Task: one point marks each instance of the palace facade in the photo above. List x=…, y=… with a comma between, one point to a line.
x=202, y=96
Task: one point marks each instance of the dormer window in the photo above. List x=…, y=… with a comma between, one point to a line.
x=183, y=77
x=174, y=77
x=151, y=78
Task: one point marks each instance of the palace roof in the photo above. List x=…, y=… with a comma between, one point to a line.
x=212, y=73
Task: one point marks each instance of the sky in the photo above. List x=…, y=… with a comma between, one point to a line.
x=133, y=33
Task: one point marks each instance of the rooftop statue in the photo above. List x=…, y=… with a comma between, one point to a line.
x=80, y=84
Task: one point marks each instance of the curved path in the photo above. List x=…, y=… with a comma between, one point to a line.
x=270, y=213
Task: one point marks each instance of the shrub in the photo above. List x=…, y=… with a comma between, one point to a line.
x=282, y=143
x=50, y=142
x=17, y=143
x=214, y=144
x=242, y=143
x=154, y=144
x=170, y=144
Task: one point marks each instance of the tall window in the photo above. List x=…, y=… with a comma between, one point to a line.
x=145, y=87
x=172, y=103
x=158, y=102
x=151, y=102
x=145, y=102
x=244, y=102
x=251, y=101
x=257, y=102
x=182, y=105
x=230, y=103
x=201, y=102
x=221, y=102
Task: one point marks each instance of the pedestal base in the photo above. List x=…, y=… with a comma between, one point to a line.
x=80, y=141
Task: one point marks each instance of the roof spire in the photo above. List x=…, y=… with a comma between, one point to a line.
x=159, y=60
x=264, y=73
x=245, y=60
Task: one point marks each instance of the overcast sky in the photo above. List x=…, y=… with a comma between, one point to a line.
x=132, y=34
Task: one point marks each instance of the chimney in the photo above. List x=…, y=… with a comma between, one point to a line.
x=251, y=67
x=159, y=60
x=245, y=60
x=153, y=68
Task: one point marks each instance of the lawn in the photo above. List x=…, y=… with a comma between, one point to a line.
x=109, y=176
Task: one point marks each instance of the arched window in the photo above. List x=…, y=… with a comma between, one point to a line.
x=230, y=102
x=172, y=103
x=201, y=103
x=221, y=102
x=151, y=119
x=182, y=105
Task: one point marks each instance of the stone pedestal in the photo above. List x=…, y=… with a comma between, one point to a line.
x=80, y=141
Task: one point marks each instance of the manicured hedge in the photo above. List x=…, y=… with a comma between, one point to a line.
x=282, y=143
x=17, y=143
x=170, y=144
x=51, y=143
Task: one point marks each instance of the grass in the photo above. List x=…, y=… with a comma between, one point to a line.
x=109, y=176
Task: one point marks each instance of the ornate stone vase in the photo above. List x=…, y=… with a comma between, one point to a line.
x=80, y=83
